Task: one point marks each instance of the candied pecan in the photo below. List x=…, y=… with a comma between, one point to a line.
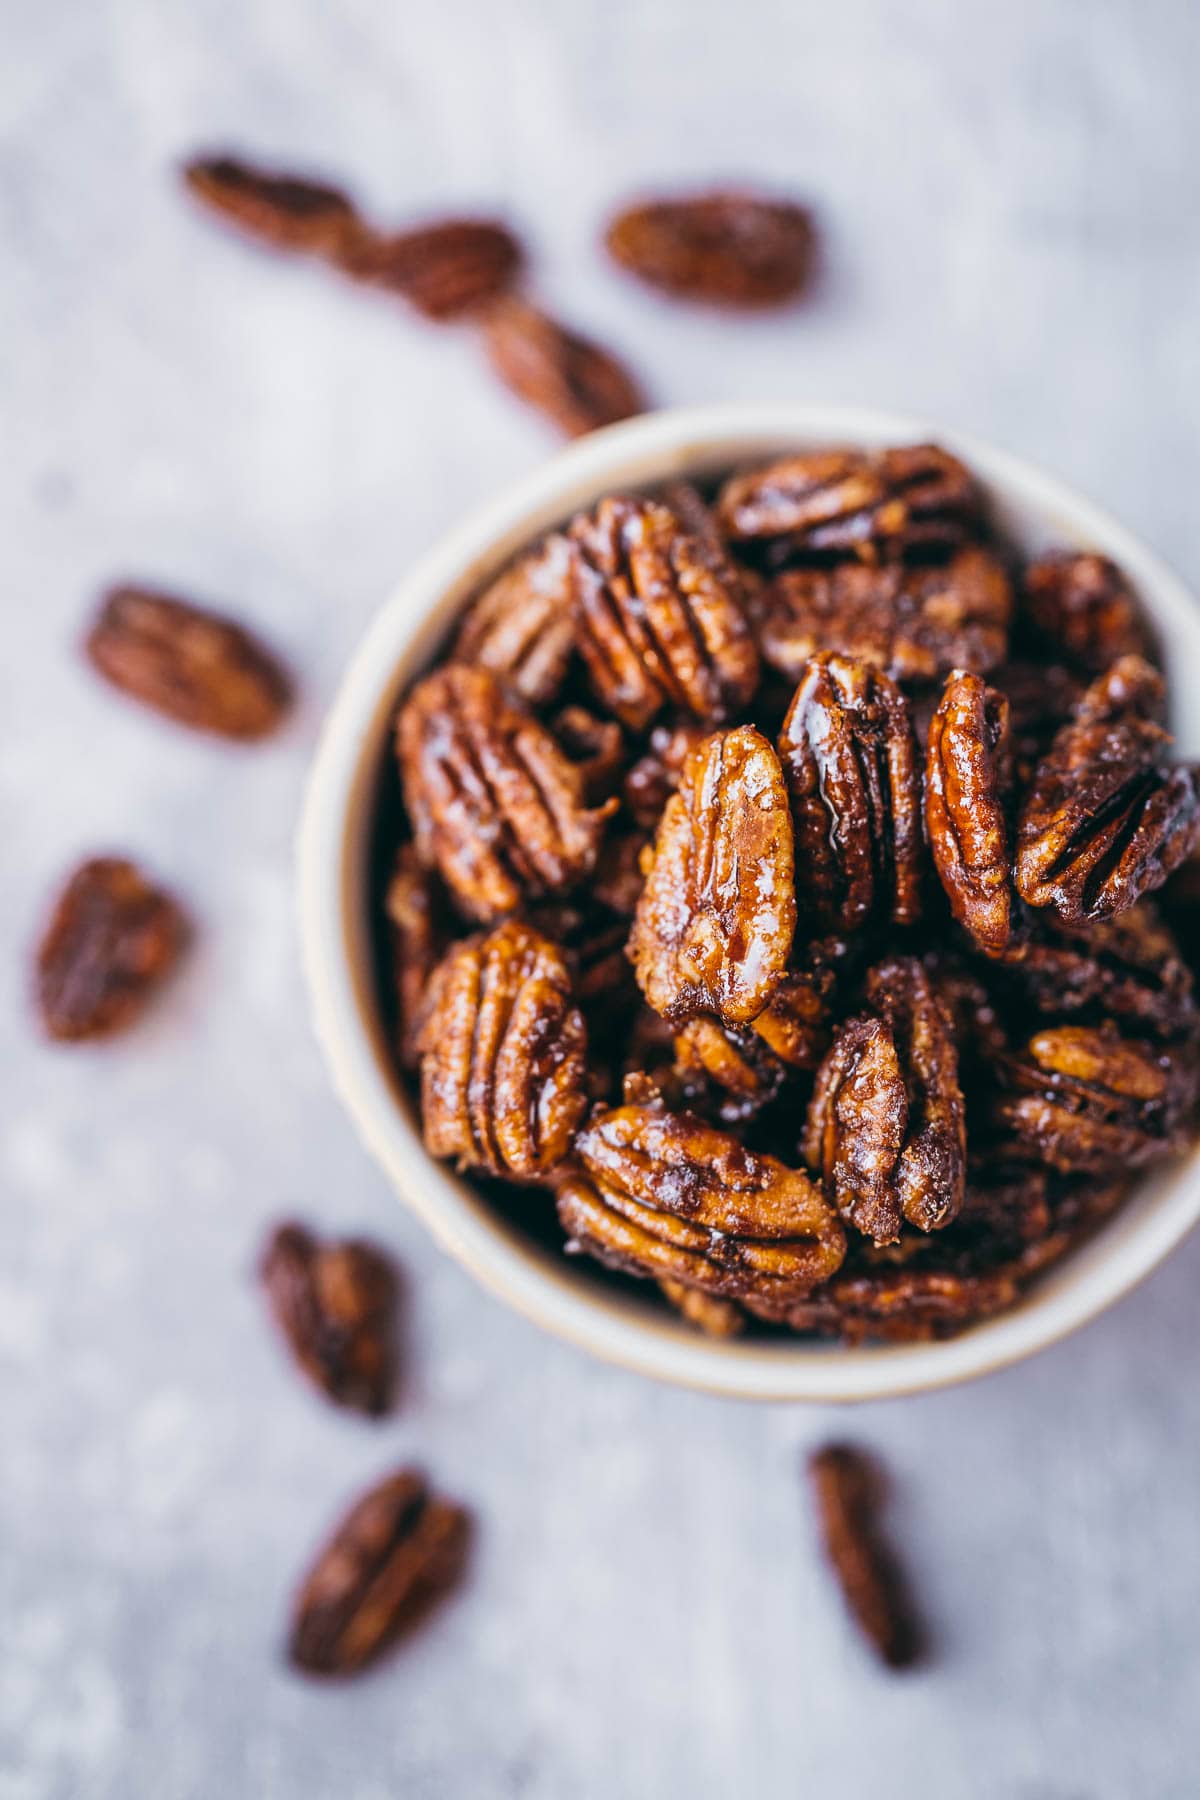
x=665, y=1195
x=521, y=627
x=707, y=1312
x=847, y=1490
x=896, y=1306
x=966, y=813
x=737, y=1062
x=1106, y=818
x=729, y=248
x=797, y=1021
x=570, y=379
x=715, y=922
x=112, y=939
x=192, y=665
x=885, y=1126
x=1128, y=969
x=1083, y=605
x=334, y=1304
x=288, y=212
x=872, y=503
x=396, y=1550
x=1084, y=1098
x=657, y=618
x=494, y=803
x=1041, y=698
x=653, y=778
x=446, y=270
x=914, y=623
x=850, y=761
x=595, y=746
x=503, y=1055
x=411, y=905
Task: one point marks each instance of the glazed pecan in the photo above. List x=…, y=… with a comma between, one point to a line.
x=1084, y=1098
x=727, y=248
x=494, y=803
x=872, y=503
x=737, y=1062
x=847, y=1490
x=1128, y=969
x=1106, y=818
x=715, y=922
x=288, y=212
x=446, y=270
x=570, y=379
x=707, y=1312
x=1084, y=607
x=797, y=1021
x=664, y=1195
x=653, y=778
x=966, y=810
x=521, y=627
x=850, y=761
x=112, y=940
x=503, y=1055
x=1041, y=698
x=188, y=663
x=398, y=1549
x=914, y=622
x=412, y=904
x=886, y=1128
x=657, y=616
x=595, y=746
x=896, y=1306
x=334, y=1303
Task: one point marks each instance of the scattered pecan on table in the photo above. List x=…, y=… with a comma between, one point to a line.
x=576, y=383
x=728, y=248
x=334, y=1303
x=847, y=1488
x=111, y=941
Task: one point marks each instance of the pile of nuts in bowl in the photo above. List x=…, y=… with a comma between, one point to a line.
x=775, y=901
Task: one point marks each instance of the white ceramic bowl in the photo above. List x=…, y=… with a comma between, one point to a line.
x=563, y=1294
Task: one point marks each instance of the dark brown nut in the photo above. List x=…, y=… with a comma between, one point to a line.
x=1106, y=818
x=112, y=940
x=192, y=665
x=1006, y=1212
x=412, y=907
x=1084, y=1098
x=521, y=626
x=897, y=1306
x=797, y=1022
x=657, y=616
x=714, y=1317
x=665, y=1195
x=288, y=212
x=914, y=623
x=738, y=1063
x=579, y=386
x=395, y=1552
x=979, y=1031
x=725, y=248
x=334, y=1302
x=847, y=1491
x=886, y=1130
x=850, y=761
x=618, y=881
x=446, y=270
x=1128, y=969
x=595, y=746
x=869, y=503
x=715, y=922
x=653, y=778
x=1041, y=698
x=494, y=803
x=966, y=808
x=503, y=1055
x=1084, y=607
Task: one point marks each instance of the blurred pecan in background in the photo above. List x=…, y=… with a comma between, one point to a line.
x=413, y=902
x=848, y=1491
x=652, y=779
x=1084, y=607
x=1129, y=969
x=573, y=381
x=966, y=808
x=111, y=941
x=521, y=626
x=288, y=212
x=445, y=269
x=713, y=1316
x=715, y=922
x=728, y=248
x=334, y=1303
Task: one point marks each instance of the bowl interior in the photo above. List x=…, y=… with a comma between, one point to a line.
x=518, y=1255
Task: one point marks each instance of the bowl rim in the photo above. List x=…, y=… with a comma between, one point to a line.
x=333, y=929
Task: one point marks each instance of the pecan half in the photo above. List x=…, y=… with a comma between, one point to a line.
x=411, y=904
x=715, y=922
x=738, y=1062
x=896, y=1306
x=1107, y=817
x=192, y=665
x=886, y=1128
x=570, y=379
x=714, y=1317
x=871, y=503
x=503, y=1055
x=399, y=1548
x=1128, y=969
x=334, y=1304
x=288, y=212
x=727, y=248
x=966, y=813
x=797, y=1021
x=847, y=1491
x=915, y=623
x=494, y=803
x=665, y=1195
x=446, y=269
x=1083, y=605
x=521, y=626
x=850, y=760
x=657, y=616
x=654, y=777
x=112, y=940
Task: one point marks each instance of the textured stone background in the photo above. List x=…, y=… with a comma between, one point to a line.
x=1011, y=202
